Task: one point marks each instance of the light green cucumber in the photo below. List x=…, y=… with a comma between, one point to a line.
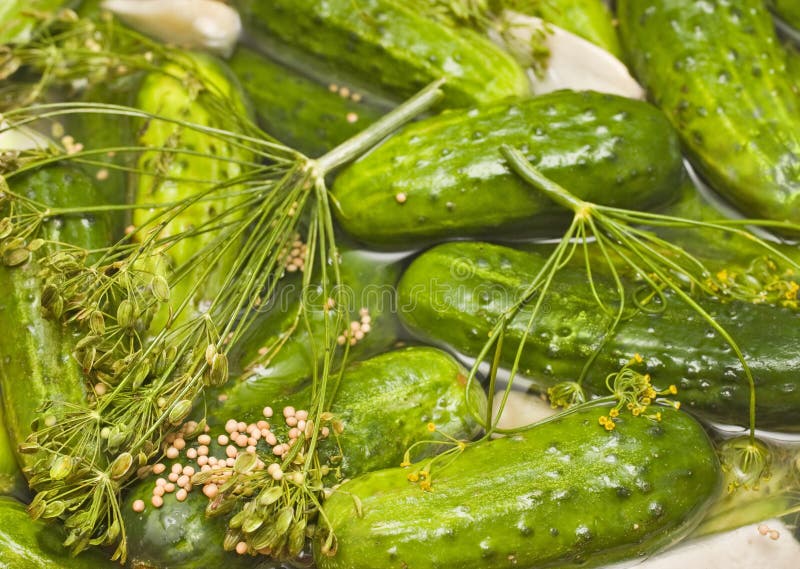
x=564, y=494
x=719, y=73
x=606, y=149
x=182, y=92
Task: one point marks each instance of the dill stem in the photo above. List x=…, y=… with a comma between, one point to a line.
x=519, y=163
x=377, y=131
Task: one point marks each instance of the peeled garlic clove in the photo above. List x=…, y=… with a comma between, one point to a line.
x=21, y=138
x=574, y=63
x=521, y=409
x=201, y=24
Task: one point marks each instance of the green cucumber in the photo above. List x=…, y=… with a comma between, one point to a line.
x=606, y=149
x=728, y=93
x=181, y=92
x=787, y=10
x=385, y=44
x=300, y=111
x=367, y=282
x=386, y=405
x=10, y=474
x=564, y=494
x=454, y=294
x=19, y=19
x=36, y=544
x=589, y=19
x=36, y=363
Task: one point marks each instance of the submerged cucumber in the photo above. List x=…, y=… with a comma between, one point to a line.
x=384, y=403
x=606, y=149
x=455, y=293
x=719, y=73
x=182, y=93
x=301, y=111
x=29, y=544
x=386, y=44
x=36, y=362
x=564, y=494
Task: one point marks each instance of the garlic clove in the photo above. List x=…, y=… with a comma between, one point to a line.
x=574, y=63
x=195, y=24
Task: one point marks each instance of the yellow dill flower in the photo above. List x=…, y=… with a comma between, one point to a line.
x=431, y=427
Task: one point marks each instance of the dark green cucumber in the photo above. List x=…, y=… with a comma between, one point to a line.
x=454, y=294
x=385, y=405
x=386, y=44
x=298, y=110
x=564, y=494
x=727, y=91
x=606, y=149
x=367, y=282
x=589, y=19
x=36, y=363
x=181, y=92
x=787, y=10
x=29, y=544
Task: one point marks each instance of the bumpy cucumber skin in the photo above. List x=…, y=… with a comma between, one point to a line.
x=29, y=544
x=603, y=148
x=389, y=44
x=458, y=309
x=300, y=111
x=719, y=73
x=166, y=93
x=589, y=19
x=36, y=363
x=564, y=494
x=387, y=403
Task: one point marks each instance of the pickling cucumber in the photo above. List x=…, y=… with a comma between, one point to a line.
x=384, y=403
x=454, y=294
x=36, y=544
x=386, y=44
x=182, y=92
x=36, y=363
x=307, y=114
x=606, y=149
x=563, y=494
x=719, y=73
x=589, y=19
x=368, y=282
